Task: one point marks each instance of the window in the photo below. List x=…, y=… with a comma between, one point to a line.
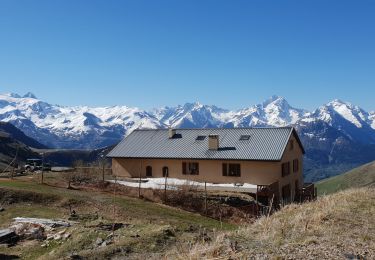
x=245, y=137
x=200, y=137
x=285, y=169
x=295, y=165
x=232, y=169
x=291, y=145
x=191, y=168
x=165, y=171
x=148, y=171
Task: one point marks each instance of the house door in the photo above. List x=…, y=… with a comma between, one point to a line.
x=165, y=171
x=286, y=193
x=149, y=171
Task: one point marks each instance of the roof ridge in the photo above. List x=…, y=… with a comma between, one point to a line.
x=218, y=128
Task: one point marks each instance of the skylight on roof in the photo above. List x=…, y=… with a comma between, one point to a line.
x=200, y=137
x=245, y=137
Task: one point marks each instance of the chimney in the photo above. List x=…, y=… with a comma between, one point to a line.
x=171, y=132
x=213, y=142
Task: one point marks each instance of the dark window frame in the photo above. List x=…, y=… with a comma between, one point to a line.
x=231, y=169
x=285, y=169
x=190, y=168
x=148, y=171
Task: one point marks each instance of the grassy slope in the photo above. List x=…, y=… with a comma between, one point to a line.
x=362, y=176
x=337, y=226
x=149, y=222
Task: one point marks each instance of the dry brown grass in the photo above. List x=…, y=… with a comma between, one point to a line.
x=338, y=226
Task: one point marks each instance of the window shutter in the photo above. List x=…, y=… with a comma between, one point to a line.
x=184, y=168
x=225, y=169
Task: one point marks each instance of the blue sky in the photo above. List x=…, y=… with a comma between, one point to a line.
x=151, y=53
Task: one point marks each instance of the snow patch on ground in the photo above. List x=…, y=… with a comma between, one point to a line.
x=173, y=183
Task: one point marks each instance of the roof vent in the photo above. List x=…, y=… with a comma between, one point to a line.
x=171, y=133
x=213, y=142
x=245, y=137
x=200, y=137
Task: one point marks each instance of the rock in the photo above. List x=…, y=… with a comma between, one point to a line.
x=99, y=241
x=1, y=209
x=61, y=232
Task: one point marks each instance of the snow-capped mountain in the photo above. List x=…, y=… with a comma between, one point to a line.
x=273, y=112
x=72, y=127
x=336, y=136
x=353, y=121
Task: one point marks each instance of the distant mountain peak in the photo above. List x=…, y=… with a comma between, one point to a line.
x=29, y=95
x=13, y=95
x=275, y=99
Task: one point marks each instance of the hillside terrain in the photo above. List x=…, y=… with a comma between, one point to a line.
x=14, y=141
x=337, y=136
x=336, y=226
x=363, y=176
x=146, y=230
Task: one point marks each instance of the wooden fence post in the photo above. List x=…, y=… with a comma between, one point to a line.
x=205, y=198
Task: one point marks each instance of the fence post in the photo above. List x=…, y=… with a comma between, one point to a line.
x=165, y=188
x=103, y=170
x=205, y=197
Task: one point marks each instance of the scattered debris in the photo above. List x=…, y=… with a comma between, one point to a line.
x=101, y=242
x=8, y=236
x=109, y=226
x=48, y=224
x=83, y=217
x=29, y=231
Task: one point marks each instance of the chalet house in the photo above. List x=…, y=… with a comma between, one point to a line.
x=261, y=156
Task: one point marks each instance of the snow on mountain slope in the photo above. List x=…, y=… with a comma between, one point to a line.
x=191, y=115
x=350, y=119
x=372, y=119
x=74, y=123
x=91, y=127
x=273, y=112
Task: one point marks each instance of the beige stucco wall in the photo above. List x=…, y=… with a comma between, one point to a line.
x=290, y=155
x=254, y=172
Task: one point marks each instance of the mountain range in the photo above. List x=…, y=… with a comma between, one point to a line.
x=337, y=136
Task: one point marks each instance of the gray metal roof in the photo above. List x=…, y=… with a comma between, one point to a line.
x=265, y=144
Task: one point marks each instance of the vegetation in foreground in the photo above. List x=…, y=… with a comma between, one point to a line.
x=149, y=229
x=337, y=226
x=363, y=176
x=340, y=225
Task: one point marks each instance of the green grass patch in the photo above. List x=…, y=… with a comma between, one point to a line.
x=363, y=176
